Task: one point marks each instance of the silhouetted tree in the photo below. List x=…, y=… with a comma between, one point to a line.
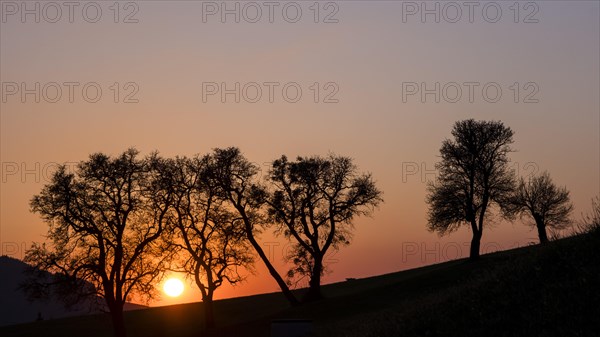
x=236, y=179
x=313, y=201
x=213, y=239
x=473, y=174
x=541, y=200
x=590, y=221
x=104, y=220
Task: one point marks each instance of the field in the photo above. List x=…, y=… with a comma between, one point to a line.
x=551, y=290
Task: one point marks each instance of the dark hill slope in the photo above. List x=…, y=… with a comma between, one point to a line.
x=552, y=290
x=15, y=308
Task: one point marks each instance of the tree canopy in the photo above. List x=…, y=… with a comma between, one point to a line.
x=313, y=202
x=540, y=200
x=473, y=174
x=104, y=221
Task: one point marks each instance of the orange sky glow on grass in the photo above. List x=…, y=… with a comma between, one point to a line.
x=369, y=90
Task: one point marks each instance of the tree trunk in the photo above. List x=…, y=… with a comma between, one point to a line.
x=209, y=314
x=116, y=313
x=542, y=232
x=284, y=288
x=314, y=289
x=250, y=235
x=475, y=244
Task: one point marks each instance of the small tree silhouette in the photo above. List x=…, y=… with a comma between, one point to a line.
x=542, y=201
x=590, y=221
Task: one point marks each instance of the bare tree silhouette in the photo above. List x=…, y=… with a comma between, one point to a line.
x=590, y=221
x=473, y=175
x=313, y=202
x=236, y=179
x=207, y=230
x=541, y=200
x=104, y=221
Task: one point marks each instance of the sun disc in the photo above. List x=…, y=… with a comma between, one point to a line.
x=173, y=287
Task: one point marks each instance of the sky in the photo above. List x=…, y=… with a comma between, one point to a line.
x=380, y=81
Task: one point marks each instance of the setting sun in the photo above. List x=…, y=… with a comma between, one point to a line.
x=173, y=287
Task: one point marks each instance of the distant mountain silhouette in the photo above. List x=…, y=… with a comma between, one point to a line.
x=15, y=308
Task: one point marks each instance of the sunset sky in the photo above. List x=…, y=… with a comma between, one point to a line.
x=367, y=60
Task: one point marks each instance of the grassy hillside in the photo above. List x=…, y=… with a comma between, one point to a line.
x=532, y=291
